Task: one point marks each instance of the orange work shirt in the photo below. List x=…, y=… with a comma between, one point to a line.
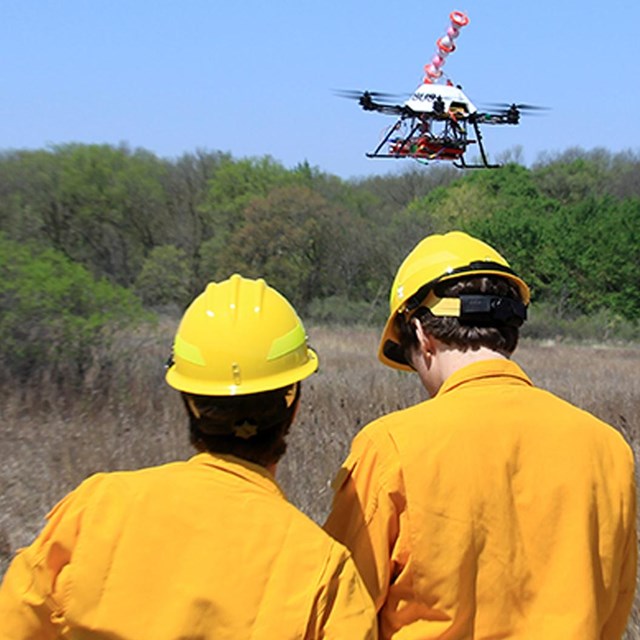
x=203, y=549
x=493, y=510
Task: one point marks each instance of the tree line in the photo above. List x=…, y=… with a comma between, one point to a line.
x=153, y=231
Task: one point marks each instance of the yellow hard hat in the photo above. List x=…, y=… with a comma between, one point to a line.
x=239, y=336
x=438, y=258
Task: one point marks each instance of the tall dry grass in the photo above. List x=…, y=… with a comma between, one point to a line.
x=123, y=416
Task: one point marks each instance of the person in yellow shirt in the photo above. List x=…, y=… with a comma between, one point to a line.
x=205, y=548
x=493, y=509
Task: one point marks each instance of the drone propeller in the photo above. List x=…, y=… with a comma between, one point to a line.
x=505, y=113
x=519, y=107
x=374, y=100
x=354, y=94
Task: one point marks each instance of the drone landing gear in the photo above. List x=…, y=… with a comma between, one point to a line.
x=485, y=164
x=463, y=165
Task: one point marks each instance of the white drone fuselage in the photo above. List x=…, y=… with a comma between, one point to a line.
x=453, y=98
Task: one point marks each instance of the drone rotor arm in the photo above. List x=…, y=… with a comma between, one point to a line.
x=388, y=109
x=508, y=113
x=494, y=118
x=374, y=100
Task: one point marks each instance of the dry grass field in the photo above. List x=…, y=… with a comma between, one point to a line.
x=125, y=417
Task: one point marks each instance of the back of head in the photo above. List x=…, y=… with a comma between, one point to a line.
x=464, y=293
x=238, y=357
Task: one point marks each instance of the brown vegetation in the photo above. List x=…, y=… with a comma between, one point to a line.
x=124, y=416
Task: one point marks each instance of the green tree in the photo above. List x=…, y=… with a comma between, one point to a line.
x=296, y=240
x=27, y=184
x=473, y=198
x=186, y=186
x=521, y=232
x=236, y=183
x=164, y=277
x=597, y=253
x=54, y=314
x=573, y=177
x=278, y=241
x=115, y=205
x=101, y=206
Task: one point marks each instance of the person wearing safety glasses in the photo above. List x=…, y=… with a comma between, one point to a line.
x=494, y=509
x=208, y=548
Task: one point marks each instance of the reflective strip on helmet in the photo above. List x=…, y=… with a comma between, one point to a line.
x=442, y=306
x=188, y=351
x=287, y=343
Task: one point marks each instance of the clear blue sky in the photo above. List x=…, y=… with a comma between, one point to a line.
x=256, y=78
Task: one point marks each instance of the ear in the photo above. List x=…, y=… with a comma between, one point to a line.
x=426, y=341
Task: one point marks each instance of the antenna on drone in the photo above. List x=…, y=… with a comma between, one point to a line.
x=445, y=46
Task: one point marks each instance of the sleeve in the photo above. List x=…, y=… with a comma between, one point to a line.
x=343, y=606
x=615, y=626
x=29, y=605
x=365, y=513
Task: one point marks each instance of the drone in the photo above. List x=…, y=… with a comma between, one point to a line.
x=438, y=122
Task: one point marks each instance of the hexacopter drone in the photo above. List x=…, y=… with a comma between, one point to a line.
x=438, y=121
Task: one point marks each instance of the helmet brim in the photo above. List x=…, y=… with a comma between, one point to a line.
x=211, y=388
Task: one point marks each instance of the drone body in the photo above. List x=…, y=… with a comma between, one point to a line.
x=438, y=122
x=437, y=99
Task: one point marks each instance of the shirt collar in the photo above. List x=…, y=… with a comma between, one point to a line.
x=485, y=370
x=244, y=469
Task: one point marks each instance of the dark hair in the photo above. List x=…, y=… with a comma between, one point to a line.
x=464, y=336
x=252, y=427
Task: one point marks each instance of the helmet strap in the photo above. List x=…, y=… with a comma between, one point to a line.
x=479, y=309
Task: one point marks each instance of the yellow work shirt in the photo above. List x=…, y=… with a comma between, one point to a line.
x=203, y=549
x=493, y=510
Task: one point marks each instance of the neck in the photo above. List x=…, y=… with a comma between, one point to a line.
x=452, y=359
x=271, y=468
x=447, y=360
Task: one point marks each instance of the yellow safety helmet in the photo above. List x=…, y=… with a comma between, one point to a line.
x=238, y=337
x=438, y=258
